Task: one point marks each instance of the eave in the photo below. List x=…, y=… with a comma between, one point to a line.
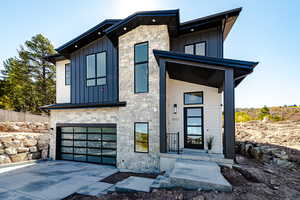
x=83, y=105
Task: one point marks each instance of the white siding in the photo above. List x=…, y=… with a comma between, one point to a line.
x=62, y=90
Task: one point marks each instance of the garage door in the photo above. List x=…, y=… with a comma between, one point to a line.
x=87, y=143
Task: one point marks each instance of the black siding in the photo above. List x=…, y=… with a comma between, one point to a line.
x=80, y=93
x=212, y=37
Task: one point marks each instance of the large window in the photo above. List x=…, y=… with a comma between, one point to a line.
x=67, y=74
x=193, y=98
x=141, y=137
x=141, y=68
x=196, y=49
x=96, y=69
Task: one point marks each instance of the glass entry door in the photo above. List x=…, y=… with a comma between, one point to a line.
x=193, y=127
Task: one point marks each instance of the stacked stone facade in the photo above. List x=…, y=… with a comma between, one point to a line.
x=142, y=107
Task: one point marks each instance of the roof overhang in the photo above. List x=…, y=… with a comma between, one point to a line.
x=54, y=58
x=224, y=19
x=203, y=70
x=168, y=17
x=82, y=105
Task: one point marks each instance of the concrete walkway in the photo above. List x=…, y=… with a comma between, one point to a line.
x=53, y=180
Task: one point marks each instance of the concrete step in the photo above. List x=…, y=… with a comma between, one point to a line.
x=134, y=184
x=205, y=175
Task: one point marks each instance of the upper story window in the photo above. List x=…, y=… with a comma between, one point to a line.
x=193, y=98
x=196, y=49
x=141, y=78
x=67, y=74
x=96, y=69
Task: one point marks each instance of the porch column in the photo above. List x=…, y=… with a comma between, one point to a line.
x=162, y=106
x=229, y=123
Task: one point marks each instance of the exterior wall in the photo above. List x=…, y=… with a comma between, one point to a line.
x=80, y=93
x=62, y=90
x=142, y=107
x=213, y=38
x=212, y=111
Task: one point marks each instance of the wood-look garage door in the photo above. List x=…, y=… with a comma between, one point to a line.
x=94, y=143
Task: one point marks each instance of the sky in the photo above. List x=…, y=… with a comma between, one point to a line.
x=266, y=31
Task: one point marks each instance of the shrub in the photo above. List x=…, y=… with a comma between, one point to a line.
x=242, y=117
x=264, y=112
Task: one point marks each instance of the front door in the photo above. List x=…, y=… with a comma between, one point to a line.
x=193, y=127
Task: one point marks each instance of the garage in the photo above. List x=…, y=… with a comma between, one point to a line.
x=93, y=143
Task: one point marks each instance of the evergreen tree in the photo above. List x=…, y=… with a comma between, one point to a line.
x=29, y=79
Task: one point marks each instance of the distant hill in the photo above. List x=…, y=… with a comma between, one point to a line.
x=279, y=113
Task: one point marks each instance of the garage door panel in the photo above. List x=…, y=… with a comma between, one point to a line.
x=88, y=144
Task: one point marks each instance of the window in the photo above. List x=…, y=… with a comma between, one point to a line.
x=141, y=137
x=193, y=98
x=141, y=68
x=67, y=74
x=96, y=69
x=196, y=49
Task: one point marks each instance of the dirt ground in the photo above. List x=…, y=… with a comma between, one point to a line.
x=252, y=180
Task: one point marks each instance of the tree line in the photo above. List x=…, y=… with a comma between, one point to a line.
x=27, y=81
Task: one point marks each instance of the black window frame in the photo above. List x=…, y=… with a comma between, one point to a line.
x=185, y=103
x=194, y=47
x=96, y=77
x=69, y=65
x=135, y=137
x=138, y=63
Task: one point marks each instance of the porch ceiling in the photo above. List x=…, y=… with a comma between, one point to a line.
x=202, y=69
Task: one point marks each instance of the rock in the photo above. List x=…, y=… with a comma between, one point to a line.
x=44, y=155
x=4, y=159
x=34, y=156
x=22, y=149
x=251, y=174
x=30, y=142
x=265, y=119
x=43, y=142
x=6, y=139
x=1, y=145
x=18, y=157
x=11, y=151
x=20, y=137
x=2, y=151
x=14, y=143
x=33, y=149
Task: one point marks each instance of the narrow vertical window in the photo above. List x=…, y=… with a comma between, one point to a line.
x=196, y=49
x=96, y=69
x=141, y=137
x=141, y=68
x=67, y=74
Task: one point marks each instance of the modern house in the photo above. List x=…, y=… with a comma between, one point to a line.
x=142, y=91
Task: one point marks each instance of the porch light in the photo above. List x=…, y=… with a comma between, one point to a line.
x=192, y=29
x=153, y=20
x=175, y=108
x=124, y=28
x=76, y=46
x=99, y=33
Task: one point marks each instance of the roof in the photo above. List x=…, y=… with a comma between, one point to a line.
x=185, y=67
x=113, y=28
x=83, y=105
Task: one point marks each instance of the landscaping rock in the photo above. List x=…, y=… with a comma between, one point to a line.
x=11, y=151
x=30, y=142
x=14, y=143
x=44, y=155
x=33, y=149
x=34, y=156
x=6, y=139
x=4, y=159
x=18, y=157
x=2, y=151
x=22, y=149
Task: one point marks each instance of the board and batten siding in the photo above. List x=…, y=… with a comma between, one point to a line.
x=80, y=93
x=212, y=37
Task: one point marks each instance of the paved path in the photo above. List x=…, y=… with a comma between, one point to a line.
x=53, y=180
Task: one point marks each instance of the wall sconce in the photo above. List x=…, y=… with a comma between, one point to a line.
x=175, y=108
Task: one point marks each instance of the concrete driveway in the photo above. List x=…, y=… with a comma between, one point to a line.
x=53, y=180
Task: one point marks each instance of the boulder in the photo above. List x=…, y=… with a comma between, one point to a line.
x=4, y=159
x=1, y=145
x=34, y=156
x=22, y=149
x=251, y=174
x=2, y=151
x=20, y=137
x=11, y=151
x=43, y=142
x=44, y=155
x=30, y=142
x=33, y=149
x=18, y=157
x=14, y=143
x=6, y=139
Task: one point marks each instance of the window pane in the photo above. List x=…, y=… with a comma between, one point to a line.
x=194, y=112
x=141, y=137
x=91, y=82
x=68, y=74
x=200, y=49
x=194, y=130
x=189, y=49
x=90, y=66
x=141, y=52
x=193, y=98
x=194, y=139
x=101, y=81
x=141, y=77
x=194, y=121
x=101, y=64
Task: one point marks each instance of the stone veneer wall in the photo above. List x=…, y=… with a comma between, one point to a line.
x=143, y=107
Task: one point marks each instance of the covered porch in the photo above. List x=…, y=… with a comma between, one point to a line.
x=194, y=91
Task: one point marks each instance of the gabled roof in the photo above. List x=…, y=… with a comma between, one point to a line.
x=113, y=28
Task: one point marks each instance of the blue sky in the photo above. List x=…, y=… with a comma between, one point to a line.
x=266, y=31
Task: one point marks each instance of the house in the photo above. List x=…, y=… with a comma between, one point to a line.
x=131, y=91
